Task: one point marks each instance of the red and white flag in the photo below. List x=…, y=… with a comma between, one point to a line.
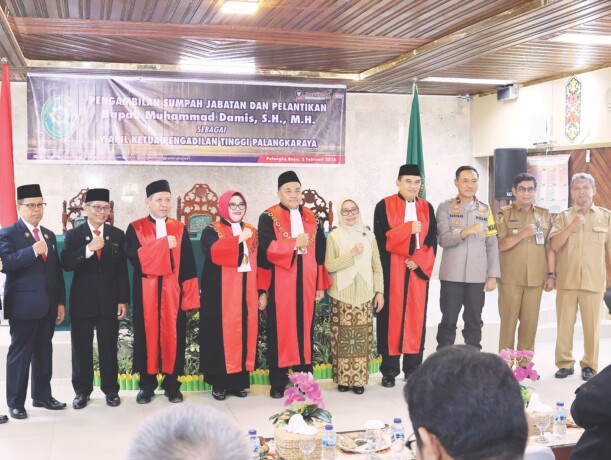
x=8, y=211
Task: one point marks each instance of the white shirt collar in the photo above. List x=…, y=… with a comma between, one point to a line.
x=91, y=227
x=30, y=226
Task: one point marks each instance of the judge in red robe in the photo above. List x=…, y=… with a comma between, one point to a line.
x=165, y=287
x=229, y=316
x=291, y=261
x=406, y=232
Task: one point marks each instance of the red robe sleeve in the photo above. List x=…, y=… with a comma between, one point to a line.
x=323, y=280
x=282, y=252
x=190, y=295
x=155, y=258
x=264, y=278
x=398, y=239
x=425, y=258
x=225, y=252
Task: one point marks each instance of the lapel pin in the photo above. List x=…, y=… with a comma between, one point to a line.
x=107, y=238
x=87, y=238
x=26, y=234
x=46, y=236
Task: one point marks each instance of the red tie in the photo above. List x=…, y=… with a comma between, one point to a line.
x=37, y=238
x=99, y=251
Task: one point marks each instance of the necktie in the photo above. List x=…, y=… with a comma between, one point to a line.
x=37, y=238
x=99, y=251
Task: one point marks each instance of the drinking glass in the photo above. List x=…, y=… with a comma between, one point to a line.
x=307, y=444
x=542, y=421
x=372, y=436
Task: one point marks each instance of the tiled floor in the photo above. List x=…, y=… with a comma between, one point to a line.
x=101, y=432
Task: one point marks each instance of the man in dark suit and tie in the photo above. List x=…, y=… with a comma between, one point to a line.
x=34, y=298
x=98, y=297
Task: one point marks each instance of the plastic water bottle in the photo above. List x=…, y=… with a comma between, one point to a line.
x=328, y=443
x=559, y=428
x=397, y=440
x=254, y=444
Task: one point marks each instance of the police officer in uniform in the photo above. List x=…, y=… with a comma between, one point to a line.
x=527, y=264
x=580, y=237
x=470, y=261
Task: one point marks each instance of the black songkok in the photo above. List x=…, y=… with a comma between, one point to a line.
x=29, y=191
x=410, y=170
x=97, y=194
x=157, y=186
x=287, y=176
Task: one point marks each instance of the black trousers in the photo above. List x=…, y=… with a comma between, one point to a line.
x=30, y=346
x=81, y=333
x=452, y=298
x=148, y=383
x=279, y=376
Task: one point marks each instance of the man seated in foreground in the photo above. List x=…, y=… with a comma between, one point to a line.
x=189, y=432
x=466, y=405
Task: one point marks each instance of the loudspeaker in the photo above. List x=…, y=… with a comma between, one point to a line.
x=508, y=163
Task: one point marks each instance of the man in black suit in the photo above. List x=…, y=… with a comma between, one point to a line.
x=98, y=297
x=34, y=298
x=3, y=418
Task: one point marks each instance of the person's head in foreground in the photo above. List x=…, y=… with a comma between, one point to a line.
x=466, y=405
x=189, y=432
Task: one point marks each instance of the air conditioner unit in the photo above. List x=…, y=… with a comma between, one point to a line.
x=504, y=93
x=541, y=130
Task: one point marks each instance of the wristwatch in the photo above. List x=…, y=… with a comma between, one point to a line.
x=552, y=275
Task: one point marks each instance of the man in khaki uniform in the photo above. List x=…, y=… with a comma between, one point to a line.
x=580, y=238
x=527, y=264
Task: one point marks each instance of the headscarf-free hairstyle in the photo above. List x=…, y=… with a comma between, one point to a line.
x=29, y=191
x=287, y=176
x=347, y=236
x=224, y=204
x=157, y=186
x=97, y=194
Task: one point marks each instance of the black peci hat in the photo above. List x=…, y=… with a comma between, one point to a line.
x=287, y=176
x=97, y=194
x=410, y=170
x=29, y=191
x=157, y=186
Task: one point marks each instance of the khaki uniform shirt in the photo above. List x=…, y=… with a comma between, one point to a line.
x=475, y=258
x=525, y=264
x=581, y=262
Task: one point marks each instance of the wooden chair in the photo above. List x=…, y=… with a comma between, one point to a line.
x=318, y=205
x=72, y=212
x=198, y=208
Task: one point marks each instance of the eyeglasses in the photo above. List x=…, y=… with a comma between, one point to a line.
x=347, y=212
x=97, y=208
x=240, y=206
x=526, y=189
x=33, y=206
x=412, y=445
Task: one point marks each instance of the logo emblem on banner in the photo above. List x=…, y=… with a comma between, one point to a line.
x=60, y=116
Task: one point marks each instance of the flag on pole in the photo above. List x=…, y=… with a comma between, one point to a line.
x=414, y=140
x=8, y=211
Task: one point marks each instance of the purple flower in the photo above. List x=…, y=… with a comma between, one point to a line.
x=519, y=373
x=293, y=394
x=506, y=355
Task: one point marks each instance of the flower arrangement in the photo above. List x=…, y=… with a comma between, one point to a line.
x=303, y=398
x=520, y=363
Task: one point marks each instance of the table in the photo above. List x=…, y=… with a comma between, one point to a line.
x=65, y=326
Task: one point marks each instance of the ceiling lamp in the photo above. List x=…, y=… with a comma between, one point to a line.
x=240, y=6
x=468, y=81
x=583, y=39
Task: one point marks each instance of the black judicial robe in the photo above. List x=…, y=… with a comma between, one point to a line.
x=229, y=312
x=165, y=286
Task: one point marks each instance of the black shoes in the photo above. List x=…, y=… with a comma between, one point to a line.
x=587, y=373
x=18, y=413
x=343, y=388
x=564, y=372
x=276, y=393
x=219, y=395
x=358, y=390
x=388, y=381
x=174, y=396
x=50, y=404
x=113, y=400
x=3, y=419
x=238, y=393
x=80, y=401
x=144, y=397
